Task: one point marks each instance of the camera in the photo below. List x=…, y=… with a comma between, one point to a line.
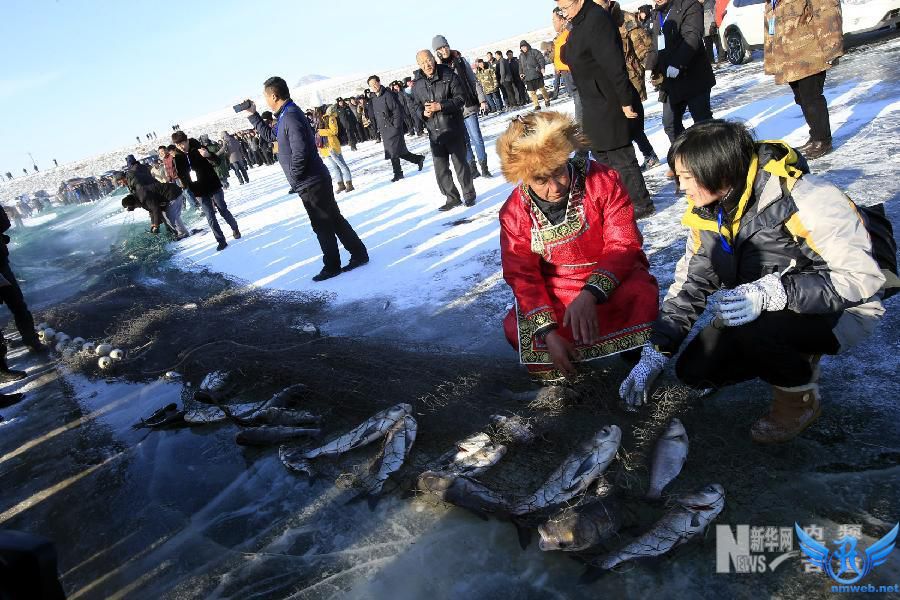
x=242, y=106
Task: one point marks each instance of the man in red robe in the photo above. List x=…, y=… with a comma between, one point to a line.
x=571, y=251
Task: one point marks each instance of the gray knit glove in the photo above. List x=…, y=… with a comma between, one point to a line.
x=635, y=390
x=746, y=302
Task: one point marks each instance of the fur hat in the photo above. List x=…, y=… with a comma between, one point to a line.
x=538, y=144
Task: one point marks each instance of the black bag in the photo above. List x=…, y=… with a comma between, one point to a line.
x=884, y=246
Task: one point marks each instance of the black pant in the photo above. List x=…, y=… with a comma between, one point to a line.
x=216, y=202
x=11, y=295
x=442, y=152
x=636, y=129
x=512, y=98
x=330, y=225
x=625, y=162
x=711, y=41
x=408, y=157
x=776, y=348
x=673, y=112
x=808, y=94
x=240, y=169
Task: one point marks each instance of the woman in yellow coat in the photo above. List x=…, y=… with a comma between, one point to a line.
x=329, y=146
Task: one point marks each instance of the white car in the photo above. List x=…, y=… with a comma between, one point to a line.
x=743, y=25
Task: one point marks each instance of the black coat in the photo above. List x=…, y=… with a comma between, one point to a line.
x=156, y=198
x=207, y=182
x=513, y=68
x=683, y=30
x=602, y=84
x=387, y=113
x=346, y=118
x=443, y=86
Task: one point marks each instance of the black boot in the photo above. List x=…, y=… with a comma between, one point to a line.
x=474, y=167
x=484, y=169
x=7, y=374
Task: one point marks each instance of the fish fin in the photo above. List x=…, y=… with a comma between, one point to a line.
x=523, y=532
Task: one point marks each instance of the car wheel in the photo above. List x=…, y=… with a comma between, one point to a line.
x=737, y=48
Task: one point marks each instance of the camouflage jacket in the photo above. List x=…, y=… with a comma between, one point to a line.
x=487, y=78
x=808, y=38
x=636, y=43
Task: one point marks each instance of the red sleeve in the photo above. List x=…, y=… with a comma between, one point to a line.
x=621, y=252
x=721, y=6
x=521, y=266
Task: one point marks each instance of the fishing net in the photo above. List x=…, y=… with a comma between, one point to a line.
x=199, y=322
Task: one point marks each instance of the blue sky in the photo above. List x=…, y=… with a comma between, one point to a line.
x=84, y=76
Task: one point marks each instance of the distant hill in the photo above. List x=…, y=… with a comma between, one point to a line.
x=308, y=79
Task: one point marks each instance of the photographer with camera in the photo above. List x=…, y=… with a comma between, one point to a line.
x=194, y=165
x=308, y=177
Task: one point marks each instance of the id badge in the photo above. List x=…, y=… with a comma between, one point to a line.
x=193, y=175
x=661, y=42
x=771, y=25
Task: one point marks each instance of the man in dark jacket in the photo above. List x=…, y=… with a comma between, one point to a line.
x=505, y=79
x=308, y=176
x=607, y=95
x=348, y=122
x=473, y=98
x=235, y=154
x=164, y=202
x=439, y=94
x=11, y=296
x=521, y=92
x=397, y=88
x=387, y=114
x=196, y=173
x=679, y=57
x=531, y=71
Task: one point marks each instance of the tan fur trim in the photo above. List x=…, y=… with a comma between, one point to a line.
x=537, y=144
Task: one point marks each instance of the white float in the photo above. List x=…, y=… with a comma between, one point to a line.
x=117, y=354
x=105, y=362
x=104, y=349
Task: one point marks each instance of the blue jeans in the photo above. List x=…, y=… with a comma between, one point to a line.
x=206, y=204
x=492, y=102
x=569, y=83
x=474, y=132
x=337, y=166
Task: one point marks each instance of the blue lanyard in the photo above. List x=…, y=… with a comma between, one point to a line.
x=720, y=217
x=662, y=21
x=281, y=114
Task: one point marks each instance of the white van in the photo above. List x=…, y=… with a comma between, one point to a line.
x=743, y=25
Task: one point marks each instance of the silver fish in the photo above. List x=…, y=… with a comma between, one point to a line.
x=576, y=473
x=292, y=458
x=668, y=458
x=581, y=527
x=687, y=519
x=214, y=414
x=262, y=436
x=463, y=492
x=275, y=416
x=471, y=456
x=397, y=444
x=367, y=432
x=514, y=427
x=286, y=397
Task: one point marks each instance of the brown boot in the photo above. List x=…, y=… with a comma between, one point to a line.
x=350, y=187
x=793, y=410
x=340, y=188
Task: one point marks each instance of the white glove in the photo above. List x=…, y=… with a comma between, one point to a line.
x=635, y=390
x=672, y=72
x=746, y=302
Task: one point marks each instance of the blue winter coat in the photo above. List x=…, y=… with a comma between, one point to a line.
x=297, y=151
